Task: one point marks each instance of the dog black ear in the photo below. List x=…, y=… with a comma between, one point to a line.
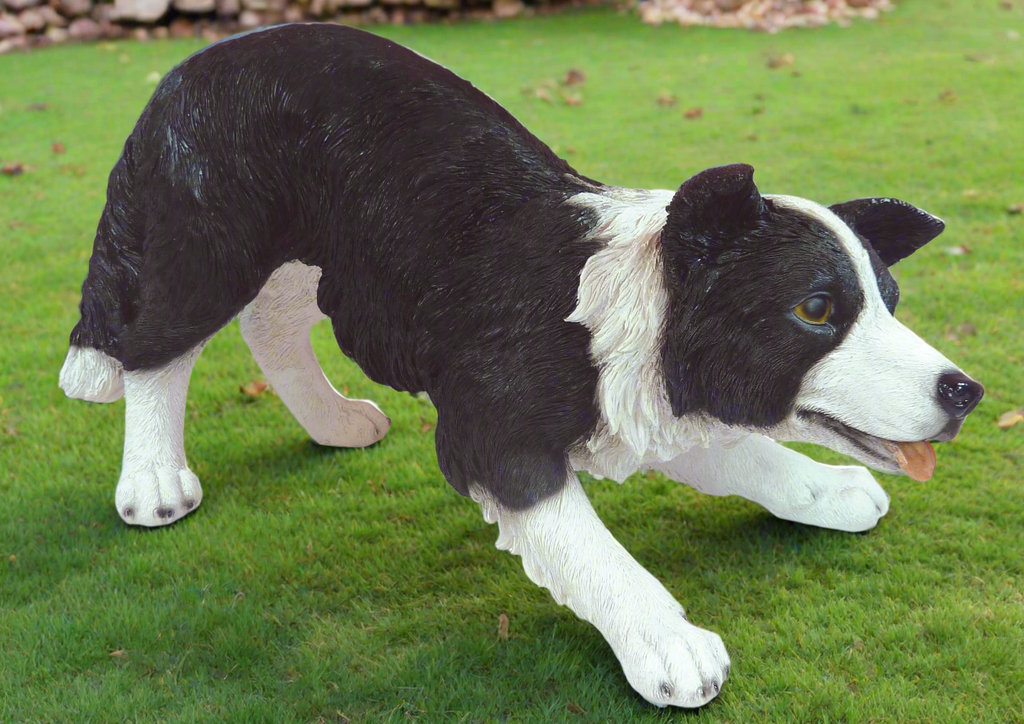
x=894, y=228
x=711, y=208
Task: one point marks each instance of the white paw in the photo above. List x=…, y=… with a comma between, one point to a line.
x=154, y=495
x=671, y=662
x=848, y=499
x=349, y=423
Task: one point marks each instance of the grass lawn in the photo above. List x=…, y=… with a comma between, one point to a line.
x=321, y=585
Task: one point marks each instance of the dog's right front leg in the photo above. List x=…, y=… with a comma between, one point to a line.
x=566, y=549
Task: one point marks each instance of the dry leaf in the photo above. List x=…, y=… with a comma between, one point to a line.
x=426, y=427
x=503, y=627
x=780, y=60
x=575, y=708
x=573, y=99
x=344, y=390
x=12, y=169
x=12, y=558
x=543, y=94
x=694, y=113
x=58, y=147
x=947, y=95
x=254, y=388
x=958, y=250
x=967, y=329
x=153, y=77
x=1015, y=209
x=970, y=193
x=38, y=106
x=666, y=99
x=1011, y=418
x=570, y=150
x=118, y=654
x=574, y=76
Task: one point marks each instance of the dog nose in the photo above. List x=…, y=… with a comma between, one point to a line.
x=959, y=394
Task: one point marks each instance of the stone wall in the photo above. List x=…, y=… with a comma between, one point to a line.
x=33, y=23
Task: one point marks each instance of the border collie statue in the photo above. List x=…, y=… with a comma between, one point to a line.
x=557, y=324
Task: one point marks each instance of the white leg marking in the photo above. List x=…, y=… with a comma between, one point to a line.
x=89, y=374
x=790, y=485
x=566, y=549
x=276, y=327
x=156, y=487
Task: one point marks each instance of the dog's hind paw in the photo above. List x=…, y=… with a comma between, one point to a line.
x=674, y=663
x=155, y=495
x=350, y=423
x=848, y=498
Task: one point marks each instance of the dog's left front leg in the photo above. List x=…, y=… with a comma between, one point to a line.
x=566, y=549
x=790, y=485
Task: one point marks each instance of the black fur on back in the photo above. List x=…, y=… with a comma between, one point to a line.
x=450, y=258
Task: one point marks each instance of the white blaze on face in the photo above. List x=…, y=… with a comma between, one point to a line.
x=882, y=379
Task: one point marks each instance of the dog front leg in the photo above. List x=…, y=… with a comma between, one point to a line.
x=566, y=549
x=790, y=485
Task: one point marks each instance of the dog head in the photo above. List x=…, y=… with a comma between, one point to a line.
x=780, y=319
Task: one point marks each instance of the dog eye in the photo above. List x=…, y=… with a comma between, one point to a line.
x=816, y=309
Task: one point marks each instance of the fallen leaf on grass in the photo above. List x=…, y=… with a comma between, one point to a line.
x=58, y=147
x=574, y=76
x=694, y=113
x=118, y=654
x=254, y=388
x=1012, y=35
x=153, y=77
x=780, y=60
x=573, y=99
x=666, y=99
x=947, y=95
x=575, y=708
x=970, y=193
x=38, y=106
x=570, y=150
x=426, y=426
x=344, y=390
x=1011, y=418
x=543, y=94
x=12, y=169
x=12, y=558
x=503, y=627
x=1015, y=209
x=958, y=250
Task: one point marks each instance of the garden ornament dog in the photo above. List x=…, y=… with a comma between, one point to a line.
x=557, y=324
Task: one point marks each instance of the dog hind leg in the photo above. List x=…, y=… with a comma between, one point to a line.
x=790, y=485
x=566, y=549
x=156, y=486
x=276, y=327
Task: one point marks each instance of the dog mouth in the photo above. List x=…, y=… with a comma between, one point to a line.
x=916, y=459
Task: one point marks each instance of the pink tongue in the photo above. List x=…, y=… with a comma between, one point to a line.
x=917, y=459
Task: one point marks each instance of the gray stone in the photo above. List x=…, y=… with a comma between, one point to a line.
x=143, y=11
x=21, y=4
x=32, y=20
x=228, y=8
x=74, y=8
x=10, y=27
x=249, y=19
x=84, y=29
x=194, y=6
x=52, y=17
